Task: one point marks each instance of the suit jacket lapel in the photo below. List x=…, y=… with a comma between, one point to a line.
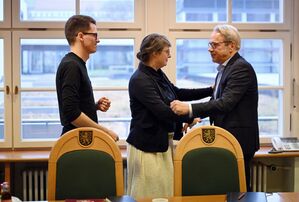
x=223, y=77
x=225, y=73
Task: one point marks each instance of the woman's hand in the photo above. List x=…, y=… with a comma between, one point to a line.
x=187, y=125
x=113, y=135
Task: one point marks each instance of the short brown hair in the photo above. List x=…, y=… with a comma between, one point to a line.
x=76, y=24
x=150, y=44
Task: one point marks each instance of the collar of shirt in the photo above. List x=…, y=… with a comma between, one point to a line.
x=222, y=66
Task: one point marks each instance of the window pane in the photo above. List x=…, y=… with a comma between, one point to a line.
x=265, y=57
x=267, y=11
x=118, y=116
x=270, y=118
x=270, y=115
x=194, y=64
x=263, y=54
x=112, y=64
x=201, y=11
x=1, y=91
x=1, y=10
x=40, y=115
x=39, y=61
x=47, y=10
x=195, y=69
x=108, y=10
x=2, y=112
x=1, y=63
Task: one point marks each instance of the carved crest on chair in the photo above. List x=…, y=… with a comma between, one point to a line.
x=85, y=137
x=208, y=135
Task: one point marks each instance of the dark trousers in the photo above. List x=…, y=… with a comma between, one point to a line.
x=247, y=163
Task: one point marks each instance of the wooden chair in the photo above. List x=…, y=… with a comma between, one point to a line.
x=85, y=163
x=208, y=160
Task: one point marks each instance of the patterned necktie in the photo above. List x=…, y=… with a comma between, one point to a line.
x=220, y=69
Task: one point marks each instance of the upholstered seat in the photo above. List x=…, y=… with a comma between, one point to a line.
x=85, y=163
x=208, y=160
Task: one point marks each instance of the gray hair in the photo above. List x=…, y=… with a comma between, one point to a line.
x=150, y=44
x=230, y=33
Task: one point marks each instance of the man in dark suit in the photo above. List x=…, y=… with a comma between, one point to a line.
x=235, y=98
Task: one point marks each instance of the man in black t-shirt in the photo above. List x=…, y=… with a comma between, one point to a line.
x=76, y=102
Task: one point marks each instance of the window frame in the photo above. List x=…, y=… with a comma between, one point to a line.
x=6, y=23
x=137, y=24
x=7, y=91
x=286, y=25
x=18, y=142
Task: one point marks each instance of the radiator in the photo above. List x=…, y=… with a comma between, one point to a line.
x=259, y=177
x=35, y=185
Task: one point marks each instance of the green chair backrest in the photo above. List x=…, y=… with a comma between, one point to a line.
x=207, y=171
x=84, y=174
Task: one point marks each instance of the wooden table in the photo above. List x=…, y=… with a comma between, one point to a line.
x=275, y=197
x=264, y=153
x=42, y=155
x=8, y=157
x=211, y=198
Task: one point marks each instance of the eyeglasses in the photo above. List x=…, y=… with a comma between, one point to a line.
x=214, y=45
x=95, y=35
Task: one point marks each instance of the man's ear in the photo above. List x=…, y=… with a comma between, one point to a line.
x=232, y=46
x=80, y=36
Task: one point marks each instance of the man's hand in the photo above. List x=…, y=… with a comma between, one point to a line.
x=103, y=104
x=180, y=108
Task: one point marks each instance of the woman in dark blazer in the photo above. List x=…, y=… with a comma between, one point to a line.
x=153, y=124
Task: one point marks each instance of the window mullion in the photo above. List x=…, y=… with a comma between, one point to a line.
x=77, y=7
x=229, y=11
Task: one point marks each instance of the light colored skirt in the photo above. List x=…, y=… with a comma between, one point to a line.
x=150, y=174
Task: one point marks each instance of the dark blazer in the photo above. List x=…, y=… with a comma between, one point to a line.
x=152, y=118
x=236, y=103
